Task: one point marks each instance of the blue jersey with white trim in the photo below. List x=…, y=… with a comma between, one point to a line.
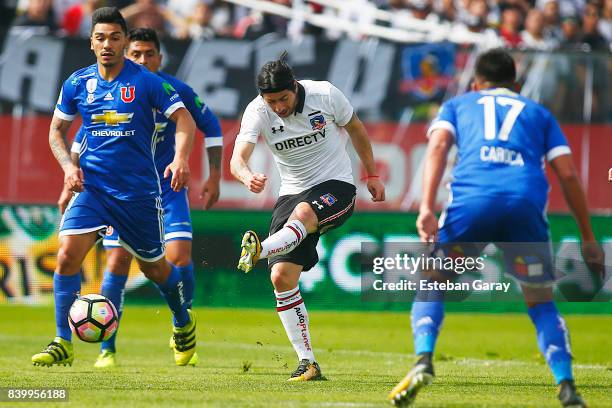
x=203, y=116
x=117, y=153
x=502, y=140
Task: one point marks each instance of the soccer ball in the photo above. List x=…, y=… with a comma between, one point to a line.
x=93, y=318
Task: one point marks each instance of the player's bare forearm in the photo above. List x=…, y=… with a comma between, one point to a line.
x=361, y=143
x=239, y=167
x=565, y=170
x=58, y=142
x=215, y=155
x=185, y=131
x=439, y=144
x=75, y=159
x=239, y=161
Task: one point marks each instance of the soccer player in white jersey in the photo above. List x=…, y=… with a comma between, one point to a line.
x=301, y=122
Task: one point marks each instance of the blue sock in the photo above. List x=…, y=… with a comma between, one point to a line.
x=65, y=291
x=172, y=291
x=553, y=339
x=427, y=316
x=188, y=283
x=113, y=288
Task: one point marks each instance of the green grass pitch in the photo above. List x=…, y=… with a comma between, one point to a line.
x=483, y=360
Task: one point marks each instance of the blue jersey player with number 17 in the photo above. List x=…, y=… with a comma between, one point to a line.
x=117, y=182
x=498, y=194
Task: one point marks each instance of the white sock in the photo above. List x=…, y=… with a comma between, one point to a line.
x=293, y=314
x=285, y=240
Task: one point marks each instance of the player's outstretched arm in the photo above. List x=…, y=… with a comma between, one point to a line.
x=440, y=142
x=73, y=176
x=564, y=168
x=239, y=167
x=185, y=131
x=363, y=147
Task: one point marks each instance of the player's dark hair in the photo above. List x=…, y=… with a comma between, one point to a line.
x=276, y=76
x=108, y=15
x=144, y=34
x=496, y=66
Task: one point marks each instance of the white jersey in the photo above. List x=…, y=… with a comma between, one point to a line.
x=307, y=146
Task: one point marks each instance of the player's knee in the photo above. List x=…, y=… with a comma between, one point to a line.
x=119, y=263
x=68, y=258
x=157, y=271
x=280, y=280
x=306, y=215
x=178, y=258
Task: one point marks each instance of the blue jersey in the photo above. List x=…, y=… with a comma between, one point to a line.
x=502, y=140
x=117, y=154
x=204, y=118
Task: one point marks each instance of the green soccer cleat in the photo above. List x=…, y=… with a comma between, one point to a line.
x=251, y=250
x=568, y=396
x=59, y=351
x=106, y=359
x=306, y=371
x=405, y=391
x=185, y=341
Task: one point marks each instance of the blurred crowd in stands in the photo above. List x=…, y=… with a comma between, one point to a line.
x=582, y=25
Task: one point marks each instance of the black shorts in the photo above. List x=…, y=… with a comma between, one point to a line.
x=333, y=202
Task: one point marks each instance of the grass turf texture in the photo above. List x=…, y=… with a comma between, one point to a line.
x=483, y=360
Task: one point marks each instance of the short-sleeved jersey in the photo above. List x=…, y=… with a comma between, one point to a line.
x=119, y=127
x=308, y=146
x=502, y=140
x=204, y=118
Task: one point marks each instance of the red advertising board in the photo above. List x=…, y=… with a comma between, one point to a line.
x=32, y=176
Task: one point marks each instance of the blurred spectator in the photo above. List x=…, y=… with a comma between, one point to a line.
x=605, y=23
x=198, y=25
x=571, y=33
x=511, y=22
x=446, y=10
x=475, y=18
x=77, y=19
x=39, y=13
x=422, y=10
x=393, y=5
x=146, y=13
x=257, y=24
x=552, y=20
x=590, y=29
x=534, y=36
x=8, y=9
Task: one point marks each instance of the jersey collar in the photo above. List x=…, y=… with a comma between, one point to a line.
x=301, y=95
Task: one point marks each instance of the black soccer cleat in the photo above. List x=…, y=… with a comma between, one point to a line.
x=422, y=374
x=306, y=371
x=568, y=396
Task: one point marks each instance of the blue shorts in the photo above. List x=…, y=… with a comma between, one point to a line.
x=177, y=220
x=140, y=221
x=517, y=226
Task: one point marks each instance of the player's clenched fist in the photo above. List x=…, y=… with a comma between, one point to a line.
x=256, y=182
x=180, y=174
x=73, y=178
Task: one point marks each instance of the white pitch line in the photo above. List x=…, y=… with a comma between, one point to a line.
x=393, y=355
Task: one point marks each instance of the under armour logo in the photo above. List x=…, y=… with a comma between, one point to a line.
x=280, y=129
x=319, y=206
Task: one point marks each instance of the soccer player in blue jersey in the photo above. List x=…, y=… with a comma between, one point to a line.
x=117, y=180
x=499, y=194
x=144, y=49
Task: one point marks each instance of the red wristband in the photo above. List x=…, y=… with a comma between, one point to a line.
x=368, y=177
